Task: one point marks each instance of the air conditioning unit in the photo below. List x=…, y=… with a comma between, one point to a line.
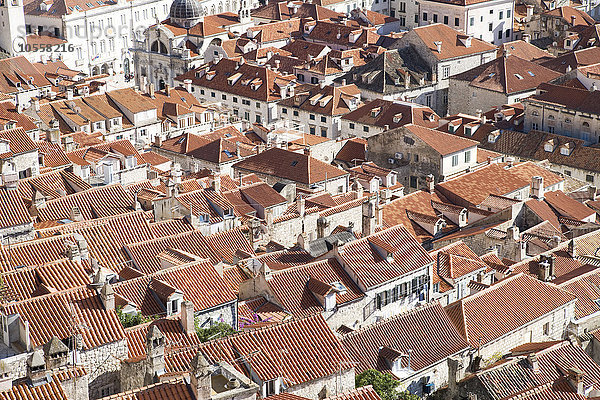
x=398, y=156
x=391, y=160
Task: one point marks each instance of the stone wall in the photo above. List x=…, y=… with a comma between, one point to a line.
x=103, y=364
x=557, y=320
x=328, y=386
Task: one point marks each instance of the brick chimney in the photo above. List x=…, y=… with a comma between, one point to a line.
x=187, y=317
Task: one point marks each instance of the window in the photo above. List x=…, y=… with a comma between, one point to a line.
x=471, y=21
x=424, y=16
x=507, y=13
x=435, y=19
x=402, y=7
x=534, y=126
x=589, y=178
x=301, y=77
x=351, y=125
x=508, y=33
x=314, y=80
x=312, y=130
x=445, y=19
x=416, y=18
x=365, y=128
x=546, y=328
x=257, y=104
x=235, y=99
x=324, y=132
x=551, y=129
x=323, y=119
x=246, y=115
x=455, y=160
x=295, y=113
x=500, y=34
x=567, y=172
x=174, y=306
x=284, y=110
x=413, y=181
x=428, y=100
x=445, y=71
x=490, y=27
x=213, y=94
x=501, y=15
x=223, y=97
x=258, y=119
x=311, y=117
x=202, y=91
x=456, y=21
x=468, y=156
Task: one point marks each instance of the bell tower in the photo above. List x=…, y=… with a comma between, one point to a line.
x=244, y=12
x=12, y=26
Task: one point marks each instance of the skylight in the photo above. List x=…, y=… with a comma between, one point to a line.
x=294, y=163
x=530, y=73
x=518, y=76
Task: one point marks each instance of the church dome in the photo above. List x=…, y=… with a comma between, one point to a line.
x=185, y=9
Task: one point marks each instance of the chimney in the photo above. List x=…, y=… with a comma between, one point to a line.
x=155, y=352
x=151, y=89
x=575, y=377
x=187, y=317
x=36, y=368
x=157, y=141
x=343, y=82
x=453, y=376
x=187, y=84
x=200, y=377
x=438, y=45
x=69, y=94
x=322, y=84
x=592, y=192
x=216, y=184
x=277, y=64
x=107, y=295
x=537, y=187
x=572, y=248
x=545, y=268
x=512, y=233
x=573, y=19
x=54, y=132
x=430, y=181
x=36, y=104
x=301, y=206
x=168, y=90
x=533, y=361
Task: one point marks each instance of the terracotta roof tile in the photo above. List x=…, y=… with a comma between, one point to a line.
x=482, y=315
x=289, y=165
x=427, y=331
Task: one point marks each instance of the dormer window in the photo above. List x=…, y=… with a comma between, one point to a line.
x=548, y=147
x=397, y=118
x=375, y=112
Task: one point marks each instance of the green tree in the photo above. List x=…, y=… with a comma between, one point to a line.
x=129, y=320
x=385, y=385
x=218, y=330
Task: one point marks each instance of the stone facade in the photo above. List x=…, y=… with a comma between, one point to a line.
x=467, y=99
x=414, y=160
x=326, y=386
x=552, y=326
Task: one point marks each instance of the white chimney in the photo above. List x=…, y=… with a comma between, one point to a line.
x=537, y=187
x=187, y=84
x=438, y=45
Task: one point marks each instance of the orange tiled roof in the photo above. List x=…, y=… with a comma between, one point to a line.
x=482, y=317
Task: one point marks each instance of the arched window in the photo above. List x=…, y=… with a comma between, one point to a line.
x=220, y=7
x=586, y=126
x=158, y=47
